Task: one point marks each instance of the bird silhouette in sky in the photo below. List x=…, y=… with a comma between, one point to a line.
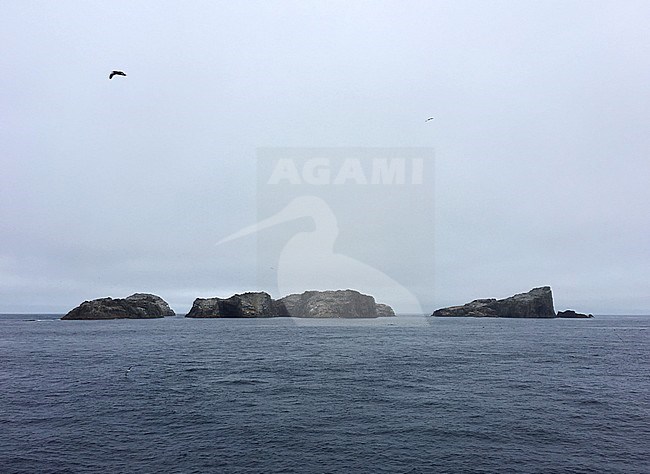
x=116, y=73
x=430, y=118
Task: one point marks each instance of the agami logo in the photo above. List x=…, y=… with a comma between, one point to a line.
x=325, y=171
x=342, y=218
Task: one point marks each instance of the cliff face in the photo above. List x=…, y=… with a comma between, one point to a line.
x=136, y=306
x=329, y=304
x=385, y=311
x=245, y=305
x=537, y=303
x=142, y=299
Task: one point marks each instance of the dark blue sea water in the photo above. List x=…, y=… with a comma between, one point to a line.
x=400, y=395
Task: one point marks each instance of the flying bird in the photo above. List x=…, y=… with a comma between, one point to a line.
x=127, y=371
x=430, y=118
x=116, y=73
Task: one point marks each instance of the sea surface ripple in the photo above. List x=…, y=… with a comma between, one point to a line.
x=393, y=395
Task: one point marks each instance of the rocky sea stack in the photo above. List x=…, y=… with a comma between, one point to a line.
x=310, y=304
x=329, y=304
x=245, y=305
x=537, y=303
x=136, y=306
x=569, y=313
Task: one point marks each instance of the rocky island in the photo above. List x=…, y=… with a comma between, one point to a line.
x=329, y=304
x=310, y=304
x=245, y=305
x=537, y=303
x=569, y=313
x=136, y=306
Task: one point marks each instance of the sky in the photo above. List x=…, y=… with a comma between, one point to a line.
x=534, y=171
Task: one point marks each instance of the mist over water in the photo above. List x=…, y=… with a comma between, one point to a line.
x=532, y=172
x=406, y=394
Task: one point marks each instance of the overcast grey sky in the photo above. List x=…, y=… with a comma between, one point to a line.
x=541, y=140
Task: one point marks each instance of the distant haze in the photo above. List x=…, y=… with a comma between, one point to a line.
x=538, y=161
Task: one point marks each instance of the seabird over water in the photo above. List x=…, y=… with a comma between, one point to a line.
x=116, y=73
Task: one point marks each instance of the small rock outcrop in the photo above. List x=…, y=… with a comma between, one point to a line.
x=137, y=306
x=569, y=313
x=384, y=311
x=245, y=305
x=537, y=303
x=328, y=304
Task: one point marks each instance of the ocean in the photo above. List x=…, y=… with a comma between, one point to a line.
x=393, y=395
